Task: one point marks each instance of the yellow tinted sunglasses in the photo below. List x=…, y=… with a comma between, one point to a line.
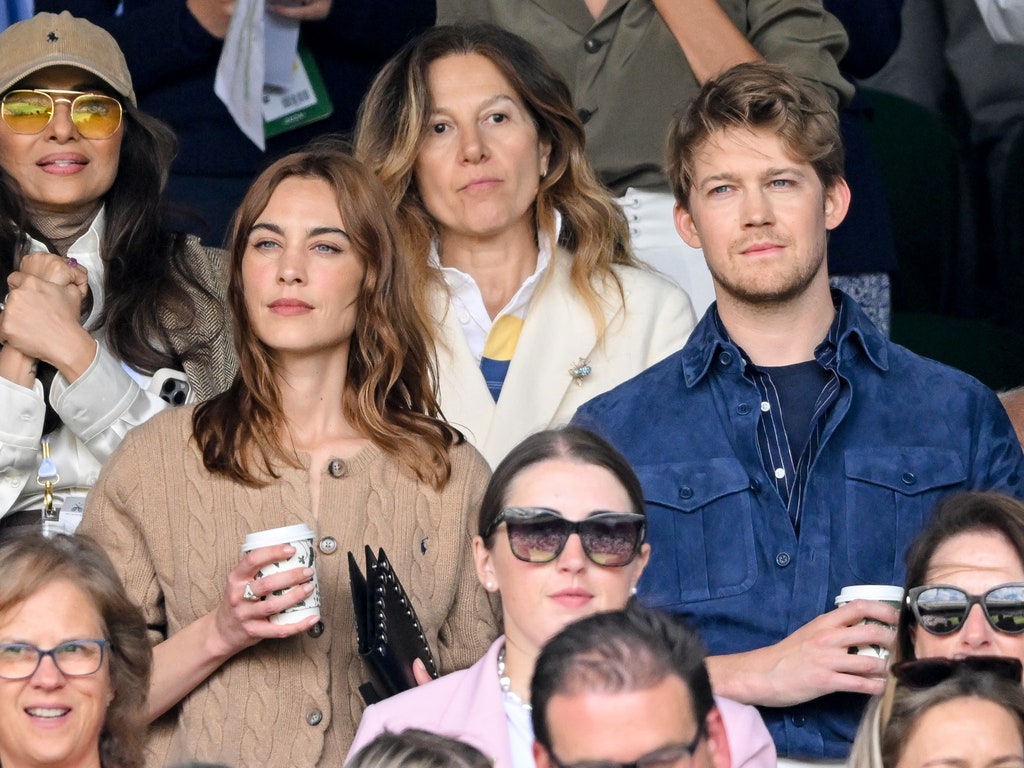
x=94, y=115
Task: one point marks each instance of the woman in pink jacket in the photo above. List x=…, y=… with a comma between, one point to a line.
x=561, y=536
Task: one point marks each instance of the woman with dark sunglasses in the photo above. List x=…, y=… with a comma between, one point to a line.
x=106, y=317
x=967, y=713
x=560, y=537
x=965, y=581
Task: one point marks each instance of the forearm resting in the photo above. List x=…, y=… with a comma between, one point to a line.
x=707, y=36
x=183, y=661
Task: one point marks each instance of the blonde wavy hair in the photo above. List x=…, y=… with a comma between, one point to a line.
x=394, y=119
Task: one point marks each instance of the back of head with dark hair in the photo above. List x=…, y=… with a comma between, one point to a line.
x=618, y=651
x=570, y=443
x=958, y=513
x=413, y=748
x=754, y=96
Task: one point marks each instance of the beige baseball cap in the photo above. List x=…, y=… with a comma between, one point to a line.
x=50, y=40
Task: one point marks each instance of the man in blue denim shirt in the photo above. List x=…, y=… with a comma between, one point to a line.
x=789, y=449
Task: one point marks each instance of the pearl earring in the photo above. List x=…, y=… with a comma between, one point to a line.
x=489, y=586
x=632, y=591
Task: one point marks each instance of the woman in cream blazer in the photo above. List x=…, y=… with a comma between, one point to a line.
x=522, y=256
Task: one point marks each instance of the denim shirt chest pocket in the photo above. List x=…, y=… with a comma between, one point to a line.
x=890, y=492
x=700, y=531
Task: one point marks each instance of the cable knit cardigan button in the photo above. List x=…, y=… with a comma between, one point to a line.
x=328, y=545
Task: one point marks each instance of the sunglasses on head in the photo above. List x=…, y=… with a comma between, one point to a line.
x=926, y=673
x=538, y=535
x=28, y=111
x=941, y=609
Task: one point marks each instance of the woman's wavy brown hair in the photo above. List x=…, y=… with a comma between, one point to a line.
x=389, y=395
x=30, y=562
x=394, y=119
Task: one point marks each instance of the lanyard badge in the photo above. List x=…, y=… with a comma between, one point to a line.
x=47, y=477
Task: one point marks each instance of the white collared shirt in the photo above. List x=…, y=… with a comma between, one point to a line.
x=467, y=302
x=96, y=410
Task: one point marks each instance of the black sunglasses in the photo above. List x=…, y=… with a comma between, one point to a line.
x=941, y=609
x=659, y=758
x=538, y=535
x=925, y=673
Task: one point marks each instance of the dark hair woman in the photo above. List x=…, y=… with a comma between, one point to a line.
x=108, y=317
x=560, y=537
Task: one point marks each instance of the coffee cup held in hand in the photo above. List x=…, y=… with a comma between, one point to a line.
x=301, y=537
x=883, y=593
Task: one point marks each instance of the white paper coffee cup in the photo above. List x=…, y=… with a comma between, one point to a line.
x=883, y=593
x=301, y=537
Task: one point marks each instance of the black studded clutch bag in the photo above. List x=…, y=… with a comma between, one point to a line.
x=389, y=634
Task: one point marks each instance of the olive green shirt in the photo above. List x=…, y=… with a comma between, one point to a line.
x=628, y=75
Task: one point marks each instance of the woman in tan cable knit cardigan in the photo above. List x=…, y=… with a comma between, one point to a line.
x=330, y=422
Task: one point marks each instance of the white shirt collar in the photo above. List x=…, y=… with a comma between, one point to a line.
x=86, y=250
x=467, y=301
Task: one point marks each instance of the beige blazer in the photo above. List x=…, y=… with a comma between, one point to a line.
x=540, y=390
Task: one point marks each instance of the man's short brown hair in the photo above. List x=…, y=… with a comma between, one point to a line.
x=753, y=96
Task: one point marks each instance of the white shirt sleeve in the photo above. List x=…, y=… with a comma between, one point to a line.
x=103, y=404
x=21, y=427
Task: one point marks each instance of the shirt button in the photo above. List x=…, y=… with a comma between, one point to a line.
x=686, y=492
x=755, y=485
x=782, y=559
x=585, y=114
x=336, y=467
x=464, y=318
x=799, y=720
x=725, y=358
x=743, y=409
x=314, y=717
x=766, y=406
x=315, y=631
x=328, y=545
x=780, y=473
x=592, y=45
x=909, y=478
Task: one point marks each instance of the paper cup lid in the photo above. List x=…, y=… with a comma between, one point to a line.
x=884, y=592
x=269, y=538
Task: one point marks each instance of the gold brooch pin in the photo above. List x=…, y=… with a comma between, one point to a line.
x=580, y=370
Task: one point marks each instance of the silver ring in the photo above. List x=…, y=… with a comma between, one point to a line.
x=249, y=595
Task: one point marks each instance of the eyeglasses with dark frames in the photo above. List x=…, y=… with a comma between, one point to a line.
x=673, y=756
x=927, y=673
x=538, y=534
x=942, y=609
x=29, y=110
x=74, y=658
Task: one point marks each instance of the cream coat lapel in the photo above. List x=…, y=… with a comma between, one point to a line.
x=558, y=331
x=465, y=400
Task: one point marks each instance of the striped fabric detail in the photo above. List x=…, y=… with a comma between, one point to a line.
x=498, y=350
